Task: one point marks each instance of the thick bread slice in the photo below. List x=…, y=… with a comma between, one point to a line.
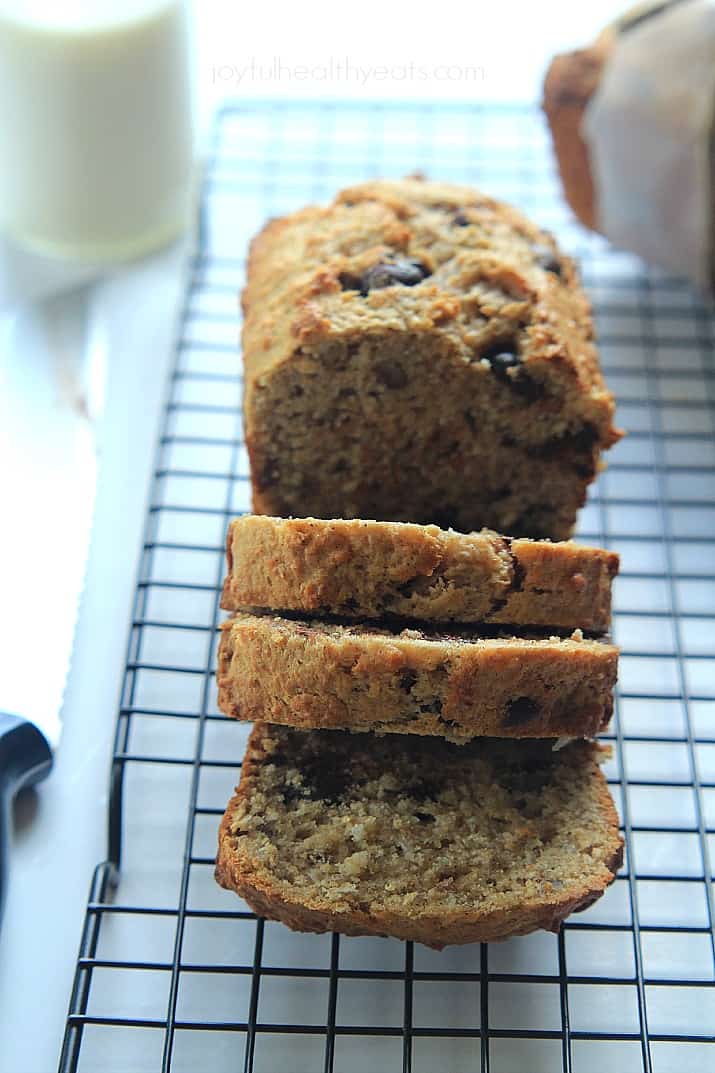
x=315, y=674
x=368, y=569
x=421, y=840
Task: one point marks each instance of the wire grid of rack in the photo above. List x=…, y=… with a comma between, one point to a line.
x=176, y=974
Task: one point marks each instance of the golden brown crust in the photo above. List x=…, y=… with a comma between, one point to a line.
x=314, y=674
x=436, y=931
x=425, y=916
x=366, y=569
x=383, y=401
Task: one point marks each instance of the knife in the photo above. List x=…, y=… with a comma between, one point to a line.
x=52, y=369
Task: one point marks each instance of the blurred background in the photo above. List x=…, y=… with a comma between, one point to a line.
x=482, y=51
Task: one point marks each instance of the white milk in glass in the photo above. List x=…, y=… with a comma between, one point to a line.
x=96, y=146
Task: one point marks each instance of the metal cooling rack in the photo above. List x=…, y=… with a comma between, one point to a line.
x=176, y=974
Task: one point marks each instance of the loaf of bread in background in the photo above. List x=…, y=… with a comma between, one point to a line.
x=632, y=119
x=571, y=80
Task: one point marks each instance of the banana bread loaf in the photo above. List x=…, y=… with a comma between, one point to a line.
x=632, y=120
x=318, y=674
x=420, y=352
x=365, y=569
x=420, y=840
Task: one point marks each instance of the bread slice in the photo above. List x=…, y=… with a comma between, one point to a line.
x=417, y=351
x=421, y=840
x=367, y=569
x=310, y=673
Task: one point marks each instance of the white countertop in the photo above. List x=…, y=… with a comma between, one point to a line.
x=60, y=827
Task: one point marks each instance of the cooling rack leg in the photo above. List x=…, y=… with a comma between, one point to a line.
x=104, y=882
x=114, y=817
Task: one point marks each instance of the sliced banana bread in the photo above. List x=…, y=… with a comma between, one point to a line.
x=367, y=569
x=421, y=840
x=309, y=673
x=419, y=352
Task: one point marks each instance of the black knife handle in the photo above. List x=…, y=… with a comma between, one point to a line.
x=25, y=758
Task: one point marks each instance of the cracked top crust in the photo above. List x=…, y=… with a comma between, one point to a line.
x=475, y=272
x=369, y=569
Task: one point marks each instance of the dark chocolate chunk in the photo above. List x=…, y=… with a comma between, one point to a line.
x=460, y=219
x=290, y=794
x=502, y=356
x=519, y=573
x=403, y=270
x=420, y=585
x=547, y=259
x=424, y=790
x=391, y=375
x=505, y=356
x=407, y=680
x=584, y=439
x=432, y=707
x=520, y=711
x=326, y=781
x=349, y=281
x=517, y=580
x=450, y=723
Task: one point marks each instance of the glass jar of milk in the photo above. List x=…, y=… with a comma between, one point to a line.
x=96, y=128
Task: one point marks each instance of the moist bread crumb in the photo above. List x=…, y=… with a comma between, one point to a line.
x=417, y=839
